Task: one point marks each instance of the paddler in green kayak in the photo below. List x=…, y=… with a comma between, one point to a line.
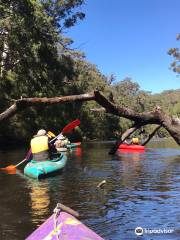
x=40, y=147
x=62, y=141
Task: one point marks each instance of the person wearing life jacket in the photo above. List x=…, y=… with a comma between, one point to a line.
x=135, y=141
x=40, y=146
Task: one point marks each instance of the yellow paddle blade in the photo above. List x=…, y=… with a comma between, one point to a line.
x=51, y=134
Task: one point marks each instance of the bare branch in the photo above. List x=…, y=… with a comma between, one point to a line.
x=157, y=116
x=151, y=135
x=154, y=117
x=9, y=112
x=23, y=103
x=124, y=136
x=98, y=109
x=149, y=117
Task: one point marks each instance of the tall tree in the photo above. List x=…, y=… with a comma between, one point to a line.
x=33, y=51
x=35, y=57
x=175, y=52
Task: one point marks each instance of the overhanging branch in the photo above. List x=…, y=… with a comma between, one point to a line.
x=151, y=135
x=124, y=136
x=154, y=117
x=23, y=103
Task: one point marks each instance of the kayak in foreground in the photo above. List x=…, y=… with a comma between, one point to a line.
x=63, y=226
x=42, y=169
x=131, y=147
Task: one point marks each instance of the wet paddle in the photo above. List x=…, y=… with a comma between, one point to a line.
x=67, y=128
x=13, y=167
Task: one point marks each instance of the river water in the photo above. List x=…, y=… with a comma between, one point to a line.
x=142, y=190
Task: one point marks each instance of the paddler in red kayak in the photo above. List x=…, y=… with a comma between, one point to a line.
x=135, y=141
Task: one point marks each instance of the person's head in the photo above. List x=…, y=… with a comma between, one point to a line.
x=135, y=140
x=61, y=137
x=41, y=132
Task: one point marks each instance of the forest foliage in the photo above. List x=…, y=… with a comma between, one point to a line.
x=36, y=60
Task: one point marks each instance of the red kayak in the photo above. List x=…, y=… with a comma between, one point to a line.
x=131, y=147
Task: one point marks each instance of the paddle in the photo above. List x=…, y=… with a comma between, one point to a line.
x=67, y=128
x=63, y=207
x=51, y=134
x=13, y=167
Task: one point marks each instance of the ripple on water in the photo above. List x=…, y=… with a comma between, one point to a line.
x=141, y=190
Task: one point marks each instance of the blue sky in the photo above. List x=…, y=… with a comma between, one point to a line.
x=130, y=38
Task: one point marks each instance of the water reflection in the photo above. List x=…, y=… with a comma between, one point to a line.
x=131, y=167
x=78, y=152
x=39, y=200
x=142, y=190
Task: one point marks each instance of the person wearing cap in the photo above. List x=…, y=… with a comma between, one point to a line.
x=40, y=146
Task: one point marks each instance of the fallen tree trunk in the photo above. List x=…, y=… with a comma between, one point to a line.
x=23, y=103
x=125, y=135
x=151, y=136
x=128, y=133
x=172, y=125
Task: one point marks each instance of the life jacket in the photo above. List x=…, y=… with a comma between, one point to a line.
x=39, y=148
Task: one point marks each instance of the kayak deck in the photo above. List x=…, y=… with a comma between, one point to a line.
x=65, y=226
x=74, y=145
x=131, y=147
x=42, y=169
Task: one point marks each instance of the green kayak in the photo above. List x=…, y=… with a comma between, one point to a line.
x=74, y=145
x=43, y=169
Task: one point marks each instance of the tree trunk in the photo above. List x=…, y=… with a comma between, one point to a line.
x=157, y=116
x=150, y=136
x=124, y=136
x=172, y=125
x=23, y=103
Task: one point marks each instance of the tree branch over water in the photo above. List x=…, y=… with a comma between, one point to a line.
x=23, y=103
x=157, y=116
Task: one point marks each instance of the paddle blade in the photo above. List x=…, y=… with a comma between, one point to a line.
x=51, y=134
x=11, y=169
x=8, y=168
x=71, y=126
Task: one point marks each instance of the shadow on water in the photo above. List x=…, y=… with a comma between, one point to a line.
x=142, y=189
